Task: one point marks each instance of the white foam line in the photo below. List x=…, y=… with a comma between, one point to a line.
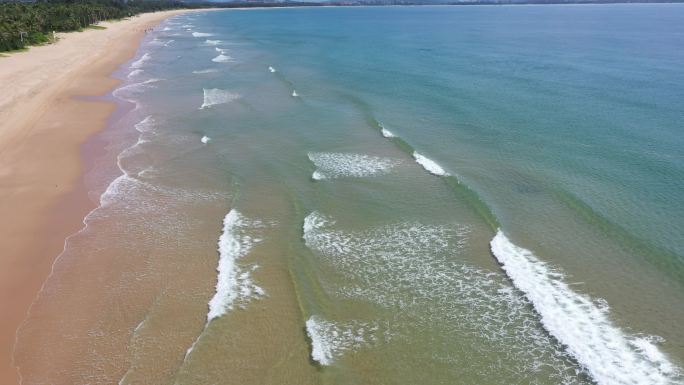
x=222, y=59
x=609, y=355
x=135, y=73
x=429, y=165
x=331, y=340
x=230, y=249
x=205, y=71
x=140, y=324
x=61, y=254
x=386, y=133
x=213, y=96
x=337, y=165
x=139, y=63
x=201, y=34
x=232, y=284
x=320, y=351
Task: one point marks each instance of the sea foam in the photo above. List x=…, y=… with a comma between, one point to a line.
x=234, y=283
x=222, y=59
x=145, y=125
x=416, y=272
x=162, y=43
x=610, y=355
x=139, y=63
x=329, y=340
x=386, y=133
x=212, y=42
x=201, y=34
x=128, y=91
x=429, y=165
x=205, y=71
x=135, y=73
x=214, y=96
x=338, y=165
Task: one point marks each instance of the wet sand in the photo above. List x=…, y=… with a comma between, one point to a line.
x=44, y=120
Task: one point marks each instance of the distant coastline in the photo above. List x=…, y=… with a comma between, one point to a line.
x=29, y=23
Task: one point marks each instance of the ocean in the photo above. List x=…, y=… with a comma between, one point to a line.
x=382, y=195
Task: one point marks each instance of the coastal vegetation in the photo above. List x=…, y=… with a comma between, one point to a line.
x=24, y=24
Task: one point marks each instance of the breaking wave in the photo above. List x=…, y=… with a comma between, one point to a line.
x=139, y=63
x=214, y=96
x=386, y=133
x=583, y=325
x=331, y=165
x=429, y=165
x=234, y=283
x=329, y=340
x=222, y=59
x=415, y=271
x=134, y=73
x=205, y=71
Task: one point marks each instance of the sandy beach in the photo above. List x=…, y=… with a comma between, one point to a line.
x=44, y=120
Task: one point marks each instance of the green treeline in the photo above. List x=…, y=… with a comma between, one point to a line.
x=38, y=20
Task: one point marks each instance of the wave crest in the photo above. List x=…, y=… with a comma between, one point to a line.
x=429, y=165
x=214, y=96
x=338, y=165
x=583, y=326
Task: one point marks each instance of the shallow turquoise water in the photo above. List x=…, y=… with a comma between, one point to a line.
x=474, y=194
x=560, y=125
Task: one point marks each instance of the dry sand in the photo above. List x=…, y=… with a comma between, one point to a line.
x=43, y=123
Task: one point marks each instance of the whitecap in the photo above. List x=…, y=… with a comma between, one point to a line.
x=233, y=282
x=417, y=272
x=338, y=165
x=386, y=133
x=201, y=34
x=145, y=125
x=205, y=139
x=139, y=63
x=135, y=73
x=429, y=165
x=330, y=340
x=128, y=91
x=271, y=69
x=222, y=59
x=205, y=71
x=214, y=96
x=212, y=42
x=609, y=354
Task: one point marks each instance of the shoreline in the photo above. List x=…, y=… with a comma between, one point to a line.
x=46, y=117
